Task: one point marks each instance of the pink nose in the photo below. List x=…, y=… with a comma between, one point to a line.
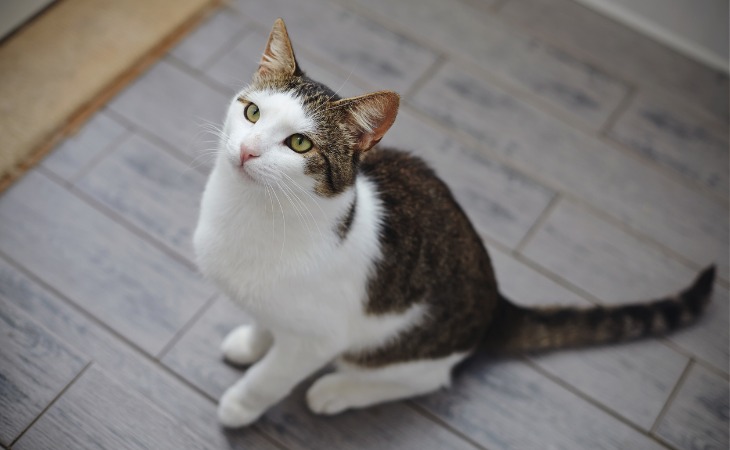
x=247, y=153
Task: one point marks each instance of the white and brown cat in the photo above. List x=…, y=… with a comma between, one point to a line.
x=348, y=253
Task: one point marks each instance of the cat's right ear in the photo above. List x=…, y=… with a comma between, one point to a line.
x=279, y=54
x=370, y=116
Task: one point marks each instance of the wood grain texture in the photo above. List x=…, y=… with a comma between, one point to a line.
x=624, y=51
x=197, y=358
x=391, y=425
x=603, y=259
x=138, y=374
x=634, y=380
x=77, y=151
x=634, y=193
x=384, y=58
x=698, y=416
x=97, y=412
x=507, y=405
x=151, y=189
x=134, y=288
x=708, y=340
x=525, y=286
x=205, y=42
x=678, y=136
x=577, y=88
x=35, y=366
x=500, y=202
x=174, y=106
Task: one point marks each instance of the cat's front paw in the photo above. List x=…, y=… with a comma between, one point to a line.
x=234, y=414
x=329, y=395
x=245, y=345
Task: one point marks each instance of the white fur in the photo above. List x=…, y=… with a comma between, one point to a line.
x=270, y=243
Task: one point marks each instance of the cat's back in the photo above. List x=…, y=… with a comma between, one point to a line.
x=421, y=216
x=428, y=243
x=412, y=193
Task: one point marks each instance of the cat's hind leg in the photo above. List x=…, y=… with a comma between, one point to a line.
x=246, y=344
x=359, y=387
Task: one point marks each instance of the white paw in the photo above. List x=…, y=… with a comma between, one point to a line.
x=330, y=394
x=245, y=345
x=233, y=414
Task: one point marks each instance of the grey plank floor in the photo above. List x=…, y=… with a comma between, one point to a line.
x=592, y=160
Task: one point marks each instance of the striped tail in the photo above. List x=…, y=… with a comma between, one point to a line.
x=522, y=329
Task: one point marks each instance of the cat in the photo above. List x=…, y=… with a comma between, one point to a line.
x=342, y=252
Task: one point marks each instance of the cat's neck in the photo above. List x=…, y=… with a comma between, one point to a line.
x=285, y=209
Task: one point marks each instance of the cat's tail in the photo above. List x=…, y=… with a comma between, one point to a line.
x=517, y=329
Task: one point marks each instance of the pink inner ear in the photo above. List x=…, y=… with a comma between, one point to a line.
x=278, y=55
x=379, y=111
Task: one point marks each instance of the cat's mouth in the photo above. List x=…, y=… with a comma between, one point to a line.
x=244, y=169
x=247, y=173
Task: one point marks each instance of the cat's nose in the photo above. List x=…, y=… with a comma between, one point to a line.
x=248, y=153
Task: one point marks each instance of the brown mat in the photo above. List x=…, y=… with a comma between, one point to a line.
x=57, y=70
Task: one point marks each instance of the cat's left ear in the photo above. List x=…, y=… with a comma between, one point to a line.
x=279, y=54
x=370, y=116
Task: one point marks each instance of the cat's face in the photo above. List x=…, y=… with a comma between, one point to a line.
x=285, y=129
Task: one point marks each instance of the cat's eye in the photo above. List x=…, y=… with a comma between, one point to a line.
x=252, y=112
x=299, y=143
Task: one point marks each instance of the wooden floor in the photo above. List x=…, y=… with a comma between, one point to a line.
x=593, y=161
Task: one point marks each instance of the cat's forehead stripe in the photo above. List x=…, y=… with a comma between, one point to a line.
x=310, y=92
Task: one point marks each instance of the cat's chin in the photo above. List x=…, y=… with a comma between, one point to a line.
x=247, y=175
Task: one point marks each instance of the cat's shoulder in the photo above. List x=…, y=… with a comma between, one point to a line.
x=387, y=161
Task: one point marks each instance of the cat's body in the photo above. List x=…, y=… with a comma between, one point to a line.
x=342, y=253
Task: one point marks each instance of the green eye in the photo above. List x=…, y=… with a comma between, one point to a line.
x=252, y=112
x=299, y=143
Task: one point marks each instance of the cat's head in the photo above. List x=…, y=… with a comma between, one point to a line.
x=286, y=127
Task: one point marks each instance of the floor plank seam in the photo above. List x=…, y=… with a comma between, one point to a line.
x=96, y=159
x=103, y=326
x=427, y=75
x=176, y=62
x=538, y=223
x=186, y=327
x=122, y=339
x=628, y=97
x=543, y=105
x=162, y=143
x=558, y=279
x=70, y=302
x=666, y=171
x=511, y=164
x=60, y=394
x=586, y=56
x=443, y=424
x=579, y=126
x=639, y=235
x=672, y=395
x=471, y=142
x=572, y=389
x=614, y=209
x=122, y=221
x=231, y=42
x=667, y=340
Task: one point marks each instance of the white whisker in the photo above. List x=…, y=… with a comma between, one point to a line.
x=283, y=218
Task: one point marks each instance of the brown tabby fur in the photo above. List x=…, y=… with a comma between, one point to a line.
x=431, y=254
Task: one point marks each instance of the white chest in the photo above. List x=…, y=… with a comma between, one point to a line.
x=285, y=268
